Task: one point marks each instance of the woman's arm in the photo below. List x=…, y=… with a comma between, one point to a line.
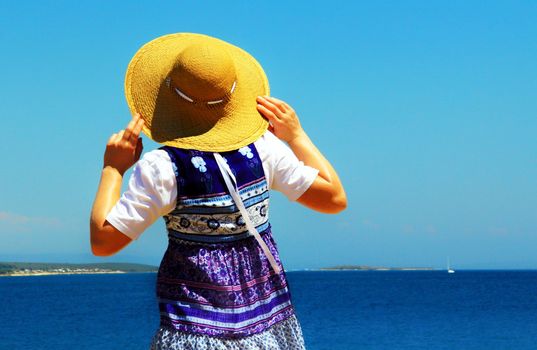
x=326, y=194
x=122, y=151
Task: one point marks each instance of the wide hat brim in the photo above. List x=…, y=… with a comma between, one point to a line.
x=173, y=121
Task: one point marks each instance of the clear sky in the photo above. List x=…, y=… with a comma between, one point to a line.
x=427, y=109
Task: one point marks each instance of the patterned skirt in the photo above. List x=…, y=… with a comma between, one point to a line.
x=221, y=293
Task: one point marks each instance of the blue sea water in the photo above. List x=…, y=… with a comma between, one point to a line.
x=337, y=310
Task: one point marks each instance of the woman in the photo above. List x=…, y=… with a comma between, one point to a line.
x=220, y=284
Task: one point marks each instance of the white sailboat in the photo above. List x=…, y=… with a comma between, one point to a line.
x=449, y=269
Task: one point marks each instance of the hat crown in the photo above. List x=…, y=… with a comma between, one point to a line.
x=204, y=72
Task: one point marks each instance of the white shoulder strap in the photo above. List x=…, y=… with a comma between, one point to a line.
x=228, y=176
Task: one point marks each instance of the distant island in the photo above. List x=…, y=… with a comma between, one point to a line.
x=373, y=268
x=40, y=269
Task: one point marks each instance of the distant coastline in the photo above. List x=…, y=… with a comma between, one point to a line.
x=373, y=268
x=43, y=269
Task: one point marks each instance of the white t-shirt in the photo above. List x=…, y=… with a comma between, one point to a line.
x=152, y=188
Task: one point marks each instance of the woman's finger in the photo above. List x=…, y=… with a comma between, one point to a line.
x=128, y=131
x=137, y=128
x=278, y=103
x=287, y=107
x=112, y=138
x=268, y=114
x=270, y=106
x=119, y=136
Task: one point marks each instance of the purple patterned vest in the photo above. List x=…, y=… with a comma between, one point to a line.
x=214, y=278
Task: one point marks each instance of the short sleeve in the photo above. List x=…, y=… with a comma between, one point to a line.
x=284, y=172
x=151, y=193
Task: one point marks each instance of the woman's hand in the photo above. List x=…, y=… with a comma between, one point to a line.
x=124, y=148
x=283, y=120
x=326, y=194
x=122, y=151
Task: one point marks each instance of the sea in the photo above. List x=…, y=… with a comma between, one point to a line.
x=337, y=310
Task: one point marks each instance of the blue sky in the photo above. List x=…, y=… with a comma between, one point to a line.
x=428, y=110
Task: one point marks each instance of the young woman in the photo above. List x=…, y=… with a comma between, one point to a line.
x=221, y=284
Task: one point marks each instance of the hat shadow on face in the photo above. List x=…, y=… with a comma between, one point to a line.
x=174, y=118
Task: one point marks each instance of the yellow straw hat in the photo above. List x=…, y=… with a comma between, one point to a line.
x=197, y=92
